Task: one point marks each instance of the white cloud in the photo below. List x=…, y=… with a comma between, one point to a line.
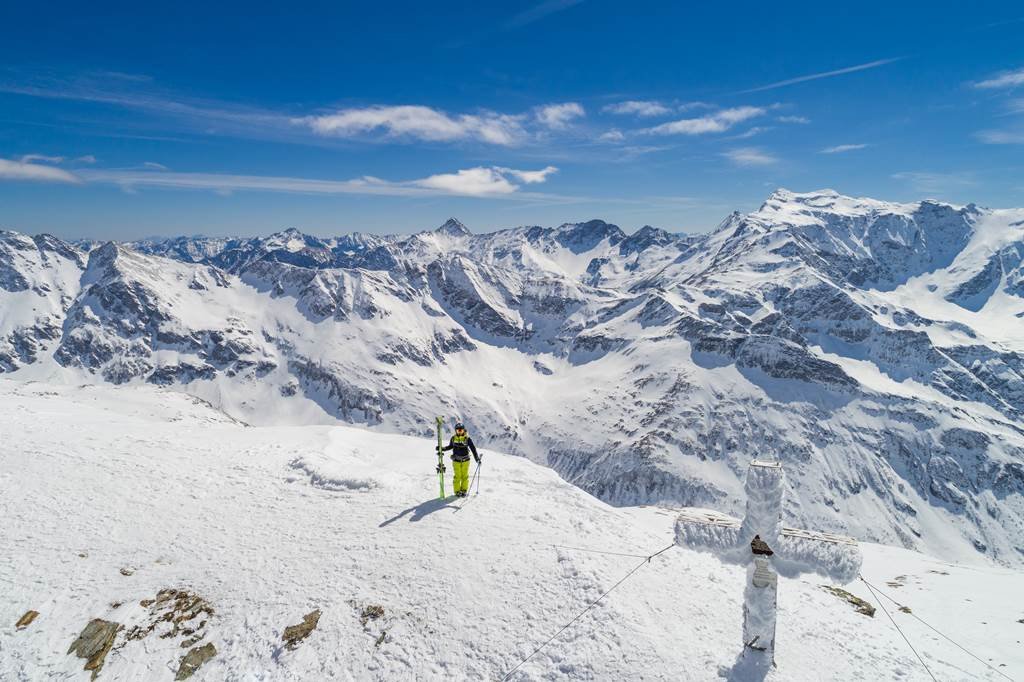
x=418, y=122
x=559, y=116
x=612, y=135
x=750, y=156
x=529, y=177
x=840, y=148
x=473, y=182
x=716, y=122
x=1004, y=79
x=642, y=108
x=26, y=170
x=88, y=158
x=823, y=74
x=1001, y=137
x=793, y=119
x=34, y=158
x=153, y=165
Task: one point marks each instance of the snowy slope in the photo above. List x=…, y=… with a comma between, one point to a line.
x=876, y=348
x=145, y=489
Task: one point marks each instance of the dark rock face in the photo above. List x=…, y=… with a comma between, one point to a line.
x=582, y=237
x=975, y=292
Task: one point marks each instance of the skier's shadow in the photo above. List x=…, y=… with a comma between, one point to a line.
x=420, y=510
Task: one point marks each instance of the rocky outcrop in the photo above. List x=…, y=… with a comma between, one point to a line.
x=94, y=643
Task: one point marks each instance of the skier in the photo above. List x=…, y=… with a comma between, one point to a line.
x=460, y=445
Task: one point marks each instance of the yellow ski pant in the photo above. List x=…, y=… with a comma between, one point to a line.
x=461, y=482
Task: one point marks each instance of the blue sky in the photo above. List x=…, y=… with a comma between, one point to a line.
x=119, y=121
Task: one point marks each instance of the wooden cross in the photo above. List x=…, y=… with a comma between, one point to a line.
x=767, y=549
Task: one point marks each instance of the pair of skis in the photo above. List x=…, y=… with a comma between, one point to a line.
x=440, y=455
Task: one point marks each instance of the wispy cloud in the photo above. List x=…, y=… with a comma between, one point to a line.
x=1001, y=136
x=88, y=88
x=1003, y=79
x=716, y=122
x=559, y=116
x=613, y=135
x=495, y=182
x=35, y=158
x=690, y=106
x=88, y=158
x=750, y=156
x=824, y=74
x=538, y=12
x=34, y=172
x=840, y=148
x=803, y=120
x=747, y=134
x=935, y=183
x=417, y=122
x=375, y=122
x=641, y=108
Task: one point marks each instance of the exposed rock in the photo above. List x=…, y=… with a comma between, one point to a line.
x=194, y=659
x=294, y=634
x=26, y=620
x=859, y=605
x=95, y=643
x=175, y=613
x=371, y=612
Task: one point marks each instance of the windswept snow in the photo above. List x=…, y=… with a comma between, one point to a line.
x=111, y=495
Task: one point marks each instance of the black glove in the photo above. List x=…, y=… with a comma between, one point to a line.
x=478, y=458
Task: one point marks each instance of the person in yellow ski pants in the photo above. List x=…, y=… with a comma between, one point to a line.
x=461, y=445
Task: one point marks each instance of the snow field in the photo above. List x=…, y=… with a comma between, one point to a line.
x=269, y=523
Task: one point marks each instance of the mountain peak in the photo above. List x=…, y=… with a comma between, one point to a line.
x=454, y=228
x=784, y=195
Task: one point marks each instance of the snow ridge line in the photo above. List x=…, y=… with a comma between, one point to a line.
x=923, y=622
x=591, y=605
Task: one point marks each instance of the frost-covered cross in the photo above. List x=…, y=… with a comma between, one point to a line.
x=760, y=543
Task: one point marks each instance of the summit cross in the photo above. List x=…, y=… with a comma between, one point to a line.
x=767, y=549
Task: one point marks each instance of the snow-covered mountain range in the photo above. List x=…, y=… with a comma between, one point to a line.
x=876, y=348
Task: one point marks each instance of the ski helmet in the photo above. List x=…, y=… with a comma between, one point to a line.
x=459, y=426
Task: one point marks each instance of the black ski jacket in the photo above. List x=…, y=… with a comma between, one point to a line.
x=460, y=448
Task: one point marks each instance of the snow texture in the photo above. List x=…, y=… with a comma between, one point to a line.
x=114, y=494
